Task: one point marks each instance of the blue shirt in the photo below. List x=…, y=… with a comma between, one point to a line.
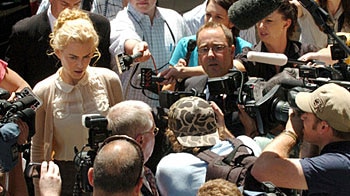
x=329, y=173
x=181, y=50
x=183, y=173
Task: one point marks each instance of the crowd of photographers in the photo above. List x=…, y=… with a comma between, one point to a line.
x=295, y=118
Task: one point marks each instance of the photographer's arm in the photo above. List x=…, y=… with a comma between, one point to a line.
x=133, y=46
x=224, y=133
x=239, y=65
x=11, y=81
x=179, y=71
x=182, y=72
x=248, y=122
x=323, y=55
x=274, y=165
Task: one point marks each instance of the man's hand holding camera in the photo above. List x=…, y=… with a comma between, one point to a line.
x=24, y=132
x=224, y=133
x=295, y=124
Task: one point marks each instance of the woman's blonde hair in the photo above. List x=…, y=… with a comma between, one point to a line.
x=73, y=25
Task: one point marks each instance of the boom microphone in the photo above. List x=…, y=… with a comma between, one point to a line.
x=246, y=13
x=320, y=15
x=268, y=58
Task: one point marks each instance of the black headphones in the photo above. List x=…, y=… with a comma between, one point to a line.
x=130, y=140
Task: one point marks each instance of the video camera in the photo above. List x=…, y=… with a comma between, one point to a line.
x=83, y=160
x=167, y=98
x=23, y=107
x=277, y=95
x=226, y=91
x=125, y=61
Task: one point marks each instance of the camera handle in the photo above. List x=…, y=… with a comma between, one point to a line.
x=76, y=189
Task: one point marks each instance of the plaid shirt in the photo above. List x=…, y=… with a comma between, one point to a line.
x=161, y=35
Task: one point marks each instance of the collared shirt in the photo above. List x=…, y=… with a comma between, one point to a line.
x=58, y=120
x=107, y=8
x=195, y=17
x=162, y=34
x=70, y=102
x=52, y=19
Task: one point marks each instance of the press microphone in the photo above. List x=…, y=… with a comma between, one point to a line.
x=245, y=14
x=124, y=61
x=129, y=59
x=268, y=58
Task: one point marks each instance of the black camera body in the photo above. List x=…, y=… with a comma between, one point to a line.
x=251, y=92
x=23, y=107
x=227, y=84
x=225, y=91
x=84, y=160
x=167, y=98
x=320, y=72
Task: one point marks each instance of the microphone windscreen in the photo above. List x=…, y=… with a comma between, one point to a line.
x=246, y=13
x=267, y=58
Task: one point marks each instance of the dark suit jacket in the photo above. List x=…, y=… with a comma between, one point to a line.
x=198, y=83
x=29, y=45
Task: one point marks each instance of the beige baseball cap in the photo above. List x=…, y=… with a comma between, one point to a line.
x=330, y=103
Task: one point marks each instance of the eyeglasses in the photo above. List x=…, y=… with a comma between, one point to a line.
x=216, y=49
x=155, y=131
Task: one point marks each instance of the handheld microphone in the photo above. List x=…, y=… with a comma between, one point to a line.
x=124, y=61
x=244, y=14
x=129, y=59
x=268, y=58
